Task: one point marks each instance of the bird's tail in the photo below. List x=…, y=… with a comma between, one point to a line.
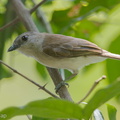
x=110, y=55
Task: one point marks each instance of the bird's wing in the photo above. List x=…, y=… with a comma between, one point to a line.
x=68, y=47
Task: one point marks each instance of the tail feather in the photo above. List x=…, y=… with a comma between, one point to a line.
x=110, y=55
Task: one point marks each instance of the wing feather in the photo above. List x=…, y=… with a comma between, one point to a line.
x=56, y=46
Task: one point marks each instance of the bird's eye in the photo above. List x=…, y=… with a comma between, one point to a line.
x=24, y=38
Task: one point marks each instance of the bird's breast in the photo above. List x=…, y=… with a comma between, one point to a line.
x=67, y=63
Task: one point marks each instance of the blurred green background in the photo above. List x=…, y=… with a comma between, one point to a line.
x=96, y=21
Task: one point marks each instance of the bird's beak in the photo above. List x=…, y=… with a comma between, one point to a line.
x=13, y=47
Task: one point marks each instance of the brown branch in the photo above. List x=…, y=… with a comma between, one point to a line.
x=28, y=79
x=16, y=20
x=92, y=88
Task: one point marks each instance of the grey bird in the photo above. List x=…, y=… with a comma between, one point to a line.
x=60, y=51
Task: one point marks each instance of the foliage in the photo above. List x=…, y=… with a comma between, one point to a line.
x=111, y=112
x=65, y=109
x=96, y=21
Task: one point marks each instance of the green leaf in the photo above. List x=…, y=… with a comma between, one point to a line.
x=38, y=118
x=65, y=73
x=4, y=73
x=60, y=19
x=111, y=112
x=93, y=4
x=41, y=70
x=48, y=2
x=85, y=29
x=4, y=34
x=48, y=108
x=113, y=66
x=98, y=115
x=102, y=96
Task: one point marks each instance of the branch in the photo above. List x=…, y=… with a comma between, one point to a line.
x=16, y=20
x=41, y=87
x=92, y=88
x=36, y=6
x=56, y=77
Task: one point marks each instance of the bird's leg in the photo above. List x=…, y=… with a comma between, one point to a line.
x=64, y=81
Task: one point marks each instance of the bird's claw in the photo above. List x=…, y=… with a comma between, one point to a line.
x=57, y=88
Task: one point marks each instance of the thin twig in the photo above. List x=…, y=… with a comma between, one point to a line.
x=92, y=88
x=36, y=6
x=16, y=20
x=41, y=87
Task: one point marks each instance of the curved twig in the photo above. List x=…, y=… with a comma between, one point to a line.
x=92, y=88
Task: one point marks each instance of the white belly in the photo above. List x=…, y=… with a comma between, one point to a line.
x=72, y=64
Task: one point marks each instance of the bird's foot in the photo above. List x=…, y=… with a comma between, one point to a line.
x=57, y=88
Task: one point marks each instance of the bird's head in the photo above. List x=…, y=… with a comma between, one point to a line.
x=27, y=42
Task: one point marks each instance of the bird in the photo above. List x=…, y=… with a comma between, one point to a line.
x=60, y=51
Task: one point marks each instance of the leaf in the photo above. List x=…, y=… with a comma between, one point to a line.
x=4, y=18
x=111, y=112
x=102, y=96
x=98, y=115
x=41, y=70
x=48, y=2
x=35, y=118
x=113, y=66
x=85, y=29
x=38, y=118
x=4, y=73
x=60, y=19
x=93, y=4
x=65, y=73
x=48, y=108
